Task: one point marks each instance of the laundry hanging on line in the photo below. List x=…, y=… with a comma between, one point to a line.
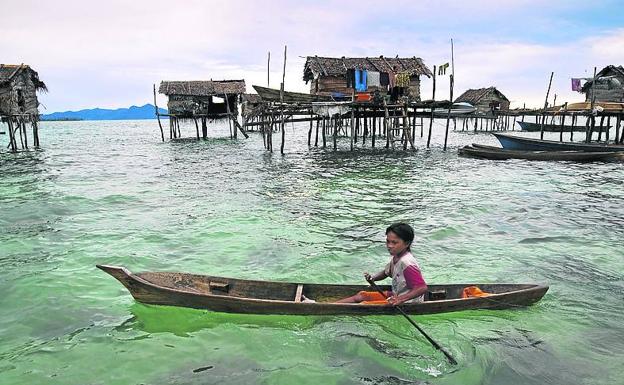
x=576, y=84
x=442, y=69
x=384, y=79
x=402, y=80
x=350, y=78
x=373, y=79
x=361, y=80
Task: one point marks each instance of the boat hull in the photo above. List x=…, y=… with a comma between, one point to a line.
x=536, y=127
x=495, y=153
x=512, y=142
x=195, y=291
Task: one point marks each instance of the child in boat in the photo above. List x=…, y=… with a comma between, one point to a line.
x=408, y=285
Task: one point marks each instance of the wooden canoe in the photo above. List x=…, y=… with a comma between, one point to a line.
x=512, y=142
x=231, y=295
x=497, y=153
x=274, y=95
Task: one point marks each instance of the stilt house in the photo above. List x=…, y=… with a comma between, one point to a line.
x=485, y=99
x=609, y=85
x=202, y=100
x=329, y=76
x=19, y=85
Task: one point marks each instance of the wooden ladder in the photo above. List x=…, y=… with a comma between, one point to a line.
x=398, y=128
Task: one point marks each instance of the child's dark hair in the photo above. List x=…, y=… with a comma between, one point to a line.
x=403, y=231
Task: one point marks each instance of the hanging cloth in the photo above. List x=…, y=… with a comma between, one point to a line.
x=360, y=80
x=392, y=79
x=576, y=84
x=402, y=79
x=350, y=78
x=373, y=79
x=384, y=79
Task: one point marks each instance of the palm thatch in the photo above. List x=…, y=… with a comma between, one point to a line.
x=10, y=72
x=202, y=87
x=485, y=99
x=316, y=66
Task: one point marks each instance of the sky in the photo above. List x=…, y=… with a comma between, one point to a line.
x=110, y=54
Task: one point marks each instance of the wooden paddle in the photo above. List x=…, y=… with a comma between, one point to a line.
x=431, y=340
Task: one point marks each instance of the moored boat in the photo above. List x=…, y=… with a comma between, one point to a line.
x=496, y=153
x=460, y=108
x=537, y=127
x=273, y=95
x=268, y=297
x=512, y=142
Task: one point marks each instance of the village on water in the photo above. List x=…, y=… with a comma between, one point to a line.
x=312, y=192
x=368, y=97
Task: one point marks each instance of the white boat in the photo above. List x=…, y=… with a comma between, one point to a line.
x=460, y=108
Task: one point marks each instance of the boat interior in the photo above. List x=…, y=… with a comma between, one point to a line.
x=285, y=291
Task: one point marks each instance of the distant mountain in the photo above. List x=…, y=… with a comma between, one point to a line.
x=134, y=112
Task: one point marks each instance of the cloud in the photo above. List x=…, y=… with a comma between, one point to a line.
x=109, y=54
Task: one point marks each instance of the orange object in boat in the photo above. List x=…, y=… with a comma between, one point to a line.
x=473, y=291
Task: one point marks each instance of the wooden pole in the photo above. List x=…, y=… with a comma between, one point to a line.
x=352, y=117
x=546, y=105
x=324, y=132
x=448, y=116
x=269, y=70
x=196, y=127
x=433, y=101
x=374, y=130
x=23, y=128
x=162, y=134
x=12, y=142
x=318, y=122
x=335, y=135
x=310, y=130
x=229, y=115
x=431, y=340
x=35, y=133
x=282, y=102
x=592, y=124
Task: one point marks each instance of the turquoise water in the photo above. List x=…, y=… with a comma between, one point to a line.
x=111, y=192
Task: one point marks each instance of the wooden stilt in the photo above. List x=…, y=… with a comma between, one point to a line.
x=196, y=127
x=162, y=134
x=374, y=130
x=12, y=142
x=433, y=100
x=310, y=130
x=335, y=135
x=324, y=132
x=318, y=122
x=35, y=128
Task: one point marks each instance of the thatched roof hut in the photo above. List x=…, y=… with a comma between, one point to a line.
x=329, y=75
x=485, y=99
x=188, y=99
x=609, y=85
x=18, y=90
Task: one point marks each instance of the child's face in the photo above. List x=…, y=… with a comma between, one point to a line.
x=394, y=244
